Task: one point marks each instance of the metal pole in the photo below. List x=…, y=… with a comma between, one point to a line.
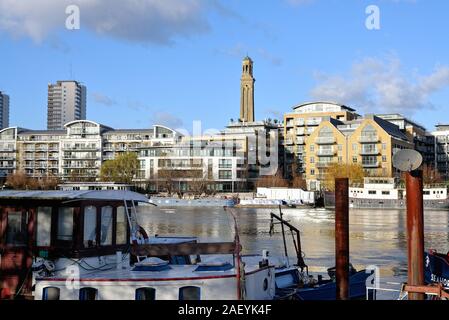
x=415, y=231
x=342, y=237
x=283, y=235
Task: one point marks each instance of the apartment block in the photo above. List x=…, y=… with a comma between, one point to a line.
x=302, y=122
x=441, y=149
x=4, y=110
x=66, y=103
x=370, y=142
x=424, y=142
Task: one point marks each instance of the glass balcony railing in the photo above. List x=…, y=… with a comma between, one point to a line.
x=325, y=140
x=369, y=139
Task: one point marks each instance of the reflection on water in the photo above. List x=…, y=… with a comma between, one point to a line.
x=377, y=237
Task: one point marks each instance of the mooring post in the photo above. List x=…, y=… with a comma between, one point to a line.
x=415, y=231
x=342, y=237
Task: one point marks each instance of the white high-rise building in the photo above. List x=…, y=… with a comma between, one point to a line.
x=66, y=103
x=4, y=110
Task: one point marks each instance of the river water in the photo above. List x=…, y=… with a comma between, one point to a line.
x=377, y=237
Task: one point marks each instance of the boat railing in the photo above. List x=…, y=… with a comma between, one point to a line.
x=371, y=292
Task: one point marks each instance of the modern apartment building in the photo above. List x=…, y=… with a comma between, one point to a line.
x=441, y=149
x=423, y=141
x=370, y=142
x=227, y=160
x=4, y=110
x=301, y=123
x=75, y=153
x=66, y=103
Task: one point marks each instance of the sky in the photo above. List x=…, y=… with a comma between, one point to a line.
x=173, y=62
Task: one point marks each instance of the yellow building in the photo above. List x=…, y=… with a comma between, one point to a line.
x=370, y=142
x=302, y=122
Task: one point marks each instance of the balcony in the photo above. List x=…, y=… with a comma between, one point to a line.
x=325, y=140
x=369, y=152
x=288, y=141
x=299, y=122
x=321, y=165
x=371, y=164
x=326, y=153
x=300, y=141
x=290, y=123
x=369, y=139
x=313, y=122
x=300, y=132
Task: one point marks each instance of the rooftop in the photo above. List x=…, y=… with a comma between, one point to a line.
x=111, y=195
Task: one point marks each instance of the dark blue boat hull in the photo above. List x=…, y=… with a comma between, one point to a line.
x=436, y=268
x=357, y=289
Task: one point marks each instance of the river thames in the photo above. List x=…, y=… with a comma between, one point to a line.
x=377, y=237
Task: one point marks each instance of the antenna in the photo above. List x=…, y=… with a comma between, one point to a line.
x=407, y=160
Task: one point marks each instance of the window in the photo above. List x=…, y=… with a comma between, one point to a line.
x=225, y=174
x=90, y=227
x=189, y=293
x=50, y=293
x=354, y=160
x=384, y=146
x=340, y=147
x=106, y=226
x=121, y=226
x=312, y=147
x=65, y=224
x=312, y=172
x=225, y=163
x=146, y=294
x=372, y=192
x=386, y=193
x=88, y=294
x=312, y=160
x=384, y=158
x=43, y=228
x=16, y=231
x=340, y=159
x=354, y=147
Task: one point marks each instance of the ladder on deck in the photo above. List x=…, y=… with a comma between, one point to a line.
x=131, y=214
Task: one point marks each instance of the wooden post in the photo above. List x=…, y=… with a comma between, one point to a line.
x=342, y=237
x=415, y=231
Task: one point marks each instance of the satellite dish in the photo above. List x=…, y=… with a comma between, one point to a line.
x=407, y=160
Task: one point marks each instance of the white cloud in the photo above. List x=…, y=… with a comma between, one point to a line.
x=167, y=119
x=145, y=21
x=381, y=85
x=103, y=99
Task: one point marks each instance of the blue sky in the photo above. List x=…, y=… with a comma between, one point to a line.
x=176, y=61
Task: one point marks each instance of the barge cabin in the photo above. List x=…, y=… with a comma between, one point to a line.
x=60, y=226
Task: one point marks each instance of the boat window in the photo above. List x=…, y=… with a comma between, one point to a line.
x=190, y=293
x=65, y=223
x=90, y=226
x=50, y=293
x=146, y=294
x=16, y=230
x=88, y=294
x=43, y=229
x=106, y=226
x=121, y=226
x=285, y=280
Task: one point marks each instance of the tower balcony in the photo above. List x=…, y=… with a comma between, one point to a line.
x=375, y=164
x=369, y=139
x=325, y=140
x=326, y=153
x=369, y=152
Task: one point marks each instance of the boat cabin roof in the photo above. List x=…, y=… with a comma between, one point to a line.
x=58, y=195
